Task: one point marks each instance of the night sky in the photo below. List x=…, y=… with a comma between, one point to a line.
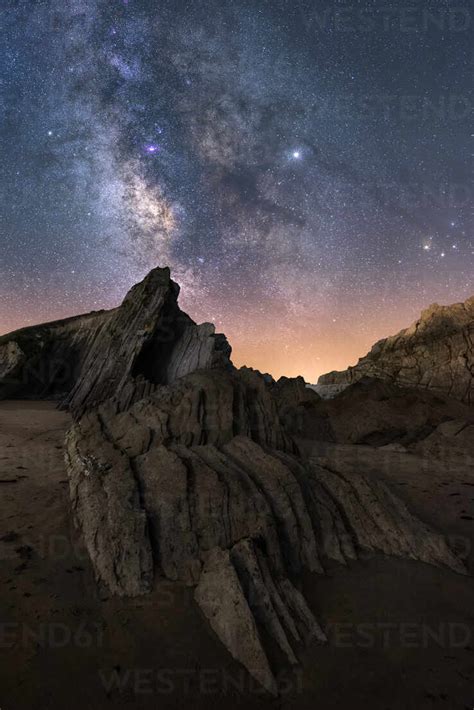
x=305, y=168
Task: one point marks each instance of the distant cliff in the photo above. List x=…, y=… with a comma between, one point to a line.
x=435, y=353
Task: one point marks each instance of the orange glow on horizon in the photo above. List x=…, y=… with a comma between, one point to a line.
x=309, y=345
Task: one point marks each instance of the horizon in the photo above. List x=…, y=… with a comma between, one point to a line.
x=254, y=360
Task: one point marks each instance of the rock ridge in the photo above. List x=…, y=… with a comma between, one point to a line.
x=435, y=353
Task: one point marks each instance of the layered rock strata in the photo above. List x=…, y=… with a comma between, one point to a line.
x=183, y=467
x=45, y=361
x=435, y=353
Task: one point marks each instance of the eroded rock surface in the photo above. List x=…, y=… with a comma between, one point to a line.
x=44, y=361
x=240, y=520
x=435, y=353
x=378, y=412
x=223, y=602
x=148, y=341
x=183, y=467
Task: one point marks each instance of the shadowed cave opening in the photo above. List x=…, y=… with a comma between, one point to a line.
x=153, y=361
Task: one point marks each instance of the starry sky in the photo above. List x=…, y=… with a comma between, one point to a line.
x=305, y=168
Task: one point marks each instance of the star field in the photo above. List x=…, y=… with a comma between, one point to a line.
x=306, y=169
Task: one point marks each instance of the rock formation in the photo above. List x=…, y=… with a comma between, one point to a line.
x=183, y=467
x=435, y=353
x=376, y=413
x=44, y=361
x=147, y=341
x=238, y=520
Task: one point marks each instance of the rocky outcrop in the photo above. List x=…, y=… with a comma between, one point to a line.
x=435, y=353
x=294, y=400
x=128, y=351
x=12, y=359
x=147, y=342
x=239, y=522
x=185, y=468
x=377, y=413
x=45, y=361
x=452, y=440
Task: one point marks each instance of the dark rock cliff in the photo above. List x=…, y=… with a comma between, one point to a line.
x=44, y=361
x=435, y=353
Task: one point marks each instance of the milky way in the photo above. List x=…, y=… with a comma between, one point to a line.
x=304, y=168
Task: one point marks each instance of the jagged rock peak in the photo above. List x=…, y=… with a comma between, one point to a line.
x=436, y=352
x=124, y=353
x=149, y=341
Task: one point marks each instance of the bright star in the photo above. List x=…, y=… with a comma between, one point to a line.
x=296, y=154
x=152, y=148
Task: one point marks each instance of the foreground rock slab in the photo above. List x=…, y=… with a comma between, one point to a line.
x=222, y=601
x=239, y=522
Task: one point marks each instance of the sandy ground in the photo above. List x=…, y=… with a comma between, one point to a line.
x=401, y=634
